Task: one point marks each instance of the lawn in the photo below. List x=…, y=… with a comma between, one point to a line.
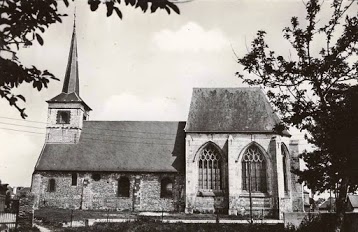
x=55, y=217
x=155, y=226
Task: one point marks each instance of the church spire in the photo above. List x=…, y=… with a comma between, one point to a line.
x=71, y=83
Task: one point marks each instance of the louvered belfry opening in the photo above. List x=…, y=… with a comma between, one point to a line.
x=254, y=170
x=210, y=165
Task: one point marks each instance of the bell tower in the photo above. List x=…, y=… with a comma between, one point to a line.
x=67, y=111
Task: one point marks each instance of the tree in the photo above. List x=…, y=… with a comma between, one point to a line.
x=21, y=24
x=315, y=91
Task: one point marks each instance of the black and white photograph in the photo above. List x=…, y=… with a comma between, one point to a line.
x=179, y=115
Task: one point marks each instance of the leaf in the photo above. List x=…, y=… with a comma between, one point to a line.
x=39, y=86
x=174, y=7
x=167, y=9
x=21, y=97
x=153, y=8
x=109, y=8
x=66, y=3
x=131, y=2
x=94, y=4
x=143, y=5
x=119, y=13
x=39, y=39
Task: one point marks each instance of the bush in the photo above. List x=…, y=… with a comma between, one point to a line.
x=315, y=223
x=26, y=229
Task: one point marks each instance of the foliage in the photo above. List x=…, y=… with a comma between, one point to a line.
x=317, y=223
x=314, y=90
x=21, y=24
x=26, y=229
x=335, y=136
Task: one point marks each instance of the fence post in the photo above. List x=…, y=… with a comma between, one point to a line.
x=17, y=208
x=71, y=216
x=107, y=215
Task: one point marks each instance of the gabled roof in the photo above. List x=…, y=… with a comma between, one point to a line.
x=119, y=146
x=231, y=110
x=353, y=199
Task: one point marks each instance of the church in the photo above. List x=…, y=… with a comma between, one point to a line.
x=226, y=158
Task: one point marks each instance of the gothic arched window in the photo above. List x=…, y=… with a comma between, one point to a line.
x=284, y=153
x=254, y=170
x=123, y=187
x=210, y=168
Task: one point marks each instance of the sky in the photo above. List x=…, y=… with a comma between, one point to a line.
x=143, y=67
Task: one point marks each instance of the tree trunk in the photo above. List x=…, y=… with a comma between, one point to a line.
x=341, y=204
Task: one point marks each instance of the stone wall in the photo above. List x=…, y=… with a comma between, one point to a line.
x=26, y=211
x=103, y=193
x=234, y=198
x=296, y=188
x=65, y=133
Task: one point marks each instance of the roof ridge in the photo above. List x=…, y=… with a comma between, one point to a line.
x=132, y=121
x=223, y=88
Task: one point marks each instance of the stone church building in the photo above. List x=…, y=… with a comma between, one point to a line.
x=225, y=154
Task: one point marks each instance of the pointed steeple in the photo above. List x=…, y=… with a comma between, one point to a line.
x=71, y=86
x=71, y=82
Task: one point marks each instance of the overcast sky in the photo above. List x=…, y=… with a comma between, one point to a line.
x=140, y=68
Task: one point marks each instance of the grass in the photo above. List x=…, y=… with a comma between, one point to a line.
x=55, y=217
x=155, y=226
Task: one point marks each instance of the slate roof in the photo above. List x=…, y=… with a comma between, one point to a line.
x=231, y=110
x=71, y=82
x=68, y=97
x=71, y=86
x=119, y=146
x=353, y=199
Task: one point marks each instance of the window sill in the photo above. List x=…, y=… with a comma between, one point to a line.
x=254, y=194
x=210, y=193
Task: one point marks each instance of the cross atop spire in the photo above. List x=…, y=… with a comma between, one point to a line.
x=71, y=83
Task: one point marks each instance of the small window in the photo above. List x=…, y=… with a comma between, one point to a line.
x=96, y=176
x=123, y=187
x=74, y=179
x=52, y=185
x=63, y=117
x=166, y=188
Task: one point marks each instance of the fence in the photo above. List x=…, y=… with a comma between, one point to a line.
x=9, y=218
